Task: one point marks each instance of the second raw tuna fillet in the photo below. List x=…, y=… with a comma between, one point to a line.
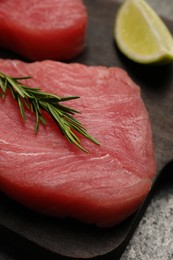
x=49, y=29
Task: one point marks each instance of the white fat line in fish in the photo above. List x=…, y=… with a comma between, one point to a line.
x=99, y=158
x=24, y=154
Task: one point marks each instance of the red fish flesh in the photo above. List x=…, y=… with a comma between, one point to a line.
x=49, y=29
x=48, y=174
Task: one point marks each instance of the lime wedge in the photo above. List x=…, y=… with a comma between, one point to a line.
x=141, y=35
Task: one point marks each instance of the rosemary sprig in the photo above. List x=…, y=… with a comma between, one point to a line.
x=37, y=101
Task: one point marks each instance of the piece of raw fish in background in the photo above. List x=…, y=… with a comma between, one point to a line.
x=49, y=29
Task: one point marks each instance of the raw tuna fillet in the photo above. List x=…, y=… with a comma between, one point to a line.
x=48, y=174
x=49, y=29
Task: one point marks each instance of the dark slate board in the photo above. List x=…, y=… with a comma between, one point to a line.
x=29, y=235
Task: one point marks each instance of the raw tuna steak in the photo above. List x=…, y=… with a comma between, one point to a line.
x=49, y=29
x=47, y=174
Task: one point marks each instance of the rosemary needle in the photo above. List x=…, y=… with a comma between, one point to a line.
x=37, y=101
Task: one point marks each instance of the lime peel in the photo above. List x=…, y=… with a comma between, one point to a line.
x=141, y=35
